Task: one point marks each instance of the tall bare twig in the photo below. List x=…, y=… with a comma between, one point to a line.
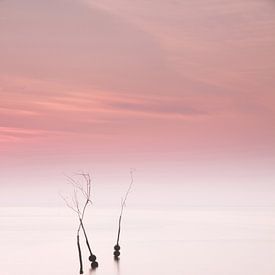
x=123, y=204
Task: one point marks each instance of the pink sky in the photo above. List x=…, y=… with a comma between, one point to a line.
x=127, y=83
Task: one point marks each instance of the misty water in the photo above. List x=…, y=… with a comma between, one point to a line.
x=175, y=240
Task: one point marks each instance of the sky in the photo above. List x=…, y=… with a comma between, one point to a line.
x=182, y=91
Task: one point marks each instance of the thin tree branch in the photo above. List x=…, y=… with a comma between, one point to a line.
x=83, y=188
x=123, y=204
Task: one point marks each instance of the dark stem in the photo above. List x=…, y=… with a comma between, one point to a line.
x=86, y=237
x=119, y=226
x=123, y=203
x=80, y=255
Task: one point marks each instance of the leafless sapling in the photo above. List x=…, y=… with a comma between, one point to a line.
x=123, y=204
x=82, y=188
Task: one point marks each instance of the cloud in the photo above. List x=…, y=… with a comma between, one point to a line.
x=156, y=107
x=33, y=98
x=192, y=71
x=47, y=106
x=223, y=45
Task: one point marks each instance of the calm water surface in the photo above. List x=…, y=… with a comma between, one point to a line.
x=189, y=240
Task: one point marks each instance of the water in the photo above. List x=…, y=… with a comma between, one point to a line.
x=178, y=241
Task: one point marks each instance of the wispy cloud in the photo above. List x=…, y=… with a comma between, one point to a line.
x=47, y=106
x=192, y=73
x=53, y=100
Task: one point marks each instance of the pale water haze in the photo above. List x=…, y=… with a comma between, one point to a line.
x=189, y=240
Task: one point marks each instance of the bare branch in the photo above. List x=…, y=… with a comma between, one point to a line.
x=123, y=200
x=123, y=204
x=66, y=200
x=81, y=190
